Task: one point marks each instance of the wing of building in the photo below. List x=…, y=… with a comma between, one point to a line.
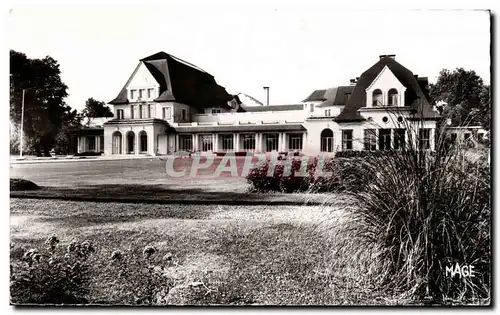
x=168, y=105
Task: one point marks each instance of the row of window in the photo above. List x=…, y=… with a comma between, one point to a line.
x=384, y=139
x=466, y=136
x=130, y=143
x=145, y=112
x=142, y=93
x=378, y=98
x=270, y=142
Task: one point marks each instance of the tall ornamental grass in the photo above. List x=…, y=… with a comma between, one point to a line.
x=425, y=211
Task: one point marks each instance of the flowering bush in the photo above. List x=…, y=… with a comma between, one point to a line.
x=62, y=275
x=335, y=175
x=136, y=279
x=52, y=276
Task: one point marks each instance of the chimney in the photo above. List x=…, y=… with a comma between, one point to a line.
x=267, y=94
x=353, y=82
x=387, y=56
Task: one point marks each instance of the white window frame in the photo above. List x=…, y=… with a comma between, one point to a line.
x=206, y=142
x=273, y=139
x=381, y=98
x=385, y=141
x=399, y=139
x=165, y=111
x=248, y=141
x=227, y=142
x=327, y=143
x=393, y=99
x=346, y=141
x=424, y=138
x=186, y=143
x=370, y=140
x=295, y=141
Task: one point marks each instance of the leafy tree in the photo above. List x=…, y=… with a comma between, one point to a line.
x=94, y=108
x=467, y=98
x=44, y=106
x=66, y=137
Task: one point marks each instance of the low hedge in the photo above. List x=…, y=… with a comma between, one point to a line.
x=338, y=174
x=22, y=184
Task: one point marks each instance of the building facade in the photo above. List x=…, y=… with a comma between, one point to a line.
x=169, y=105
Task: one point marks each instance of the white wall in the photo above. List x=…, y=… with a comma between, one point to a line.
x=153, y=131
x=290, y=116
x=320, y=111
x=142, y=79
x=314, y=129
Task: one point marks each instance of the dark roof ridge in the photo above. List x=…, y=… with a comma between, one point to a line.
x=163, y=55
x=414, y=90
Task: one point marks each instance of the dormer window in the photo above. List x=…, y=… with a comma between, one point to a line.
x=393, y=97
x=377, y=98
x=132, y=94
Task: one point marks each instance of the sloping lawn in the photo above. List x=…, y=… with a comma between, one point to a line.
x=275, y=255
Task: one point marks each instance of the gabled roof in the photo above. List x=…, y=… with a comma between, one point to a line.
x=414, y=95
x=180, y=81
x=318, y=95
x=337, y=96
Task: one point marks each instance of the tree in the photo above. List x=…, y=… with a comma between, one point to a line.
x=94, y=108
x=44, y=106
x=71, y=122
x=467, y=98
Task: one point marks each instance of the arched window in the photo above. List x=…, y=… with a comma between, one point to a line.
x=117, y=143
x=130, y=142
x=377, y=99
x=393, y=97
x=327, y=140
x=143, y=141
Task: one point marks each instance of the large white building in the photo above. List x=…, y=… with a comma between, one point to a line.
x=169, y=105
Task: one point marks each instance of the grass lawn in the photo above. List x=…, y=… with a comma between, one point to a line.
x=130, y=172
x=143, y=179
x=221, y=254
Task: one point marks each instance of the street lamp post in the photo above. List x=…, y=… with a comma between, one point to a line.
x=22, y=123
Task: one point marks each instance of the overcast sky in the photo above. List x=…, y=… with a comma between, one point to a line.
x=294, y=51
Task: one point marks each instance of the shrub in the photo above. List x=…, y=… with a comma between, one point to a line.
x=51, y=276
x=22, y=184
x=337, y=174
x=74, y=275
x=279, y=180
x=425, y=211
x=138, y=278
